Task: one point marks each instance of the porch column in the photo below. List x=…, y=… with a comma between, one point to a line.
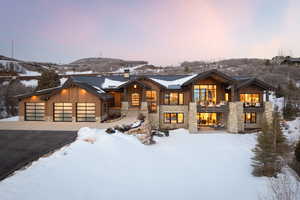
x=267, y=95
x=233, y=94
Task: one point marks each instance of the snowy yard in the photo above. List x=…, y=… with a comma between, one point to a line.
x=182, y=166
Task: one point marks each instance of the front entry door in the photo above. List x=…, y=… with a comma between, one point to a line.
x=135, y=99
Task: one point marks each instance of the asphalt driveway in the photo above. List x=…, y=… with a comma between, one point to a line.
x=19, y=148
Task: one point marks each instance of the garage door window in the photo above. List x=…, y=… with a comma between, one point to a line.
x=34, y=111
x=86, y=112
x=62, y=112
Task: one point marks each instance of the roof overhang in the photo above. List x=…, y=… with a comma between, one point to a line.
x=256, y=82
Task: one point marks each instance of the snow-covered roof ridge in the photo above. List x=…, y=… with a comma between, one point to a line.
x=109, y=83
x=176, y=82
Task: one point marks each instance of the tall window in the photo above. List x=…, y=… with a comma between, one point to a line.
x=62, y=112
x=151, y=99
x=135, y=99
x=250, y=118
x=207, y=119
x=86, y=112
x=173, y=118
x=250, y=99
x=174, y=98
x=205, y=94
x=34, y=111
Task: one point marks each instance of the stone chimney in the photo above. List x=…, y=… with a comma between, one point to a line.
x=126, y=73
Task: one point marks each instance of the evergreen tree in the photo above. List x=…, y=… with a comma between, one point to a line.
x=297, y=151
x=49, y=79
x=289, y=112
x=279, y=91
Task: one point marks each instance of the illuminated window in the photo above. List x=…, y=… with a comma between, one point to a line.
x=135, y=99
x=174, y=98
x=204, y=94
x=207, y=119
x=151, y=99
x=86, y=112
x=34, y=111
x=173, y=118
x=226, y=97
x=250, y=118
x=250, y=99
x=62, y=112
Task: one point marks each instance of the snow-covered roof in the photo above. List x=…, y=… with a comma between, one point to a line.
x=109, y=83
x=173, y=84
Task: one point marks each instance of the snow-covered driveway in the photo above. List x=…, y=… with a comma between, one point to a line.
x=182, y=166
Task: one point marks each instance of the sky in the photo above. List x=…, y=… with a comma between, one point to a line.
x=163, y=32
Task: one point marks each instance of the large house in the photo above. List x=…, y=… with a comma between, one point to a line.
x=209, y=99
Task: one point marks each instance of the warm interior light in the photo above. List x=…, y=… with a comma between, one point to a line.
x=34, y=97
x=82, y=91
x=134, y=86
x=64, y=91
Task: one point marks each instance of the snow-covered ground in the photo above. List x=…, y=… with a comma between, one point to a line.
x=118, y=166
x=10, y=119
x=293, y=131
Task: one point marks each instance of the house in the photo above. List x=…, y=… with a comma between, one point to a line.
x=209, y=99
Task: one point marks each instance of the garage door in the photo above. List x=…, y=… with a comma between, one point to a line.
x=86, y=112
x=62, y=112
x=34, y=111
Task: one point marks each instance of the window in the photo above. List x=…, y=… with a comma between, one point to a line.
x=250, y=99
x=86, y=112
x=204, y=94
x=151, y=99
x=135, y=99
x=173, y=118
x=174, y=98
x=62, y=112
x=226, y=96
x=34, y=111
x=207, y=119
x=250, y=118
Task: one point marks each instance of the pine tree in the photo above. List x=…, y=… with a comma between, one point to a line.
x=297, y=151
x=264, y=161
x=289, y=112
x=49, y=79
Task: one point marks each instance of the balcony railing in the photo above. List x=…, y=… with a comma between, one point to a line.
x=253, y=107
x=211, y=107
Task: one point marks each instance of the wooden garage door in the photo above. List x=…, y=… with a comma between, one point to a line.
x=34, y=111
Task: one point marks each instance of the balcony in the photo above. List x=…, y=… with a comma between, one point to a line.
x=212, y=108
x=253, y=107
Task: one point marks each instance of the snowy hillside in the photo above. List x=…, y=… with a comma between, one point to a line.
x=182, y=166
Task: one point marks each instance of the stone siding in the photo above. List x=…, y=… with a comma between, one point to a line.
x=124, y=107
x=173, y=109
x=193, y=126
x=268, y=113
x=235, y=123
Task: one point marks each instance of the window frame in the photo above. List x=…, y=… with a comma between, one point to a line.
x=151, y=100
x=179, y=98
x=167, y=118
x=202, y=91
x=253, y=118
x=251, y=102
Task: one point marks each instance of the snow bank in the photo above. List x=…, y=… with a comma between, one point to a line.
x=277, y=102
x=293, y=131
x=10, y=119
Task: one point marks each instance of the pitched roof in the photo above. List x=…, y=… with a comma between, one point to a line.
x=253, y=81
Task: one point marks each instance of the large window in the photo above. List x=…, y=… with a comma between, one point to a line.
x=173, y=118
x=174, y=98
x=135, y=99
x=62, y=112
x=205, y=94
x=207, y=119
x=151, y=99
x=250, y=118
x=34, y=111
x=250, y=99
x=86, y=112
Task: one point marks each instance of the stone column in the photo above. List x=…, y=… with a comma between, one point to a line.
x=268, y=112
x=124, y=107
x=235, y=123
x=144, y=108
x=193, y=118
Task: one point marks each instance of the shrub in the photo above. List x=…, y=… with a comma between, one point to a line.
x=110, y=131
x=289, y=112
